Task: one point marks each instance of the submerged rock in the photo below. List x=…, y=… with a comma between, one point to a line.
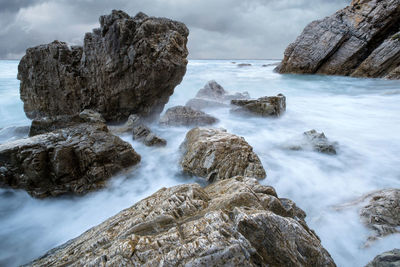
x=313, y=140
x=386, y=259
x=268, y=106
x=144, y=134
x=244, y=65
x=74, y=160
x=186, y=116
x=213, y=95
x=359, y=40
x=228, y=223
x=216, y=155
x=128, y=65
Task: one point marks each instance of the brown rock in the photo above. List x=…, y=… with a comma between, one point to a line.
x=144, y=134
x=186, y=116
x=268, y=106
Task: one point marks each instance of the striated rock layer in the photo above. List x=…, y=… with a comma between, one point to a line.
x=130, y=65
x=235, y=222
x=360, y=40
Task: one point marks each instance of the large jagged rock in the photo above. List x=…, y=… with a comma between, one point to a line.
x=74, y=160
x=215, y=155
x=359, y=40
x=130, y=65
x=267, y=106
x=235, y=222
x=386, y=259
x=186, y=116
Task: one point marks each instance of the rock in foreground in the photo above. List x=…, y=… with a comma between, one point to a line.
x=186, y=116
x=360, y=40
x=268, y=106
x=229, y=223
x=386, y=259
x=130, y=65
x=74, y=160
x=216, y=155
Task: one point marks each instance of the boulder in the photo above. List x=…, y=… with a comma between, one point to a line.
x=144, y=134
x=386, y=259
x=130, y=65
x=186, y=116
x=268, y=106
x=228, y=223
x=360, y=40
x=215, y=155
x=312, y=140
x=75, y=160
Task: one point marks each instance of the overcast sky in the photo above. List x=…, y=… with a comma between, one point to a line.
x=223, y=29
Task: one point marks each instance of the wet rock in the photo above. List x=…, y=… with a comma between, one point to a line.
x=144, y=134
x=312, y=140
x=386, y=259
x=215, y=155
x=76, y=160
x=224, y=224
x=213, y=95
x=186, y=116
x=52, y=123
x=130, y=65
x=133, y=120
x=244, y=65
x=268, y=106
x=359, y=40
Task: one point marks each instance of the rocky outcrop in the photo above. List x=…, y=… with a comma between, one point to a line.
x=130, y=65
x=386, y=259
x=52, y=123
x=74, y=160
x=213, y=95
x=312, y=140
x=144, y=134
x=268, y=106
x=359, y=40
x=186, y=116
x=215, y=155
x=228, y=223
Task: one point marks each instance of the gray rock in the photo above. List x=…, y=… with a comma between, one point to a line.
x=144, y=134
x=130, y=65
x=224, y=224
x=133, y=120
x=74, y=160
x=186, y=116
x=358, y=40
x=312, y=140
x=215, y=155
x=13, y=133
x=244, y=65
x=268, y=106
x=386, y=259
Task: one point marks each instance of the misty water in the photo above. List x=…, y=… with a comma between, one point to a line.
x=362, y=115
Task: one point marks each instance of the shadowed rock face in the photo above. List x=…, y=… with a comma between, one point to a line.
x=130, y=65
x=360, y=40
x=235, y=222
x=74, y=160
x=386, y=259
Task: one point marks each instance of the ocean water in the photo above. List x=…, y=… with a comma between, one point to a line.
x=362, y=115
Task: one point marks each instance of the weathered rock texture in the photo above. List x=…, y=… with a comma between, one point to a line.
x=130, y=65
x=386, y=259
x=236, y=222
x=132, y=121
x=186, y=116
x=216, y=155
x=143, y=133
x=312, y=140
x=213, y=95
x=75, y=160
x=360, y=40
x=268, y=106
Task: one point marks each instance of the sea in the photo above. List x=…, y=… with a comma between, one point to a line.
x=361, y=115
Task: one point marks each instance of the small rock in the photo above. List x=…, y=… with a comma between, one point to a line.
x=244, y=65
x=386, y=259
x=186, y=116
x=319, y=142
x=143, y=133
x=133, y=120
x=268, y=106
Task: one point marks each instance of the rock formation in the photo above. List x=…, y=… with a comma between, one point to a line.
x=386, y=259
x=268, y=106
x=186, y=116
x=360, y=40
x=213, y=95
x=74, y=160
x=228, y=223
x=144, y=134
x=132, y=121
x=312, y=140
x=130, y=65
x=215, y=155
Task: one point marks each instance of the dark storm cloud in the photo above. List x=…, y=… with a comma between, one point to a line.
x=218, y=28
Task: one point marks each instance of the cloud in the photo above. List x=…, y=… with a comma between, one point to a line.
x=218, y=28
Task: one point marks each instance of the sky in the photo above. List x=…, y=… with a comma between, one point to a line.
x=219, y=29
